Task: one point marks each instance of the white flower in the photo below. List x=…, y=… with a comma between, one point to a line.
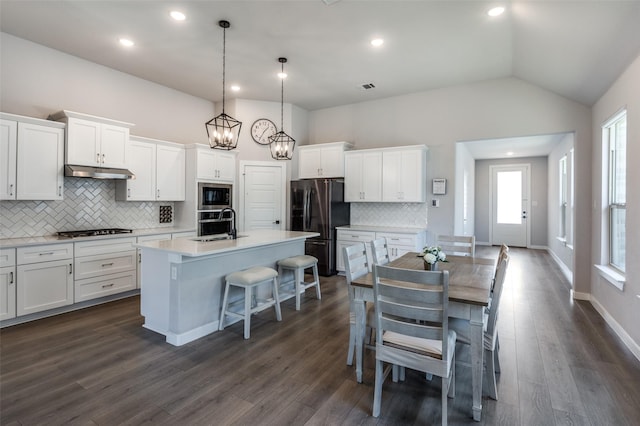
x=430, y=258
x=433, y=255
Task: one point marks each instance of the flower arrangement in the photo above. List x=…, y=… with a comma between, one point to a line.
x=433, y=254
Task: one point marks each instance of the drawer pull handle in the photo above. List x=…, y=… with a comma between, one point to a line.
x=49, y=253
x=107, y=264
x=107, y=285
x=70, y=268
x=11, y=277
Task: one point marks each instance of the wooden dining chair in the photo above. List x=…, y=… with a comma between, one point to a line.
x=380, y=251
x=412, y=328
x=356, y=265
x=491, y=343
x=459, y=245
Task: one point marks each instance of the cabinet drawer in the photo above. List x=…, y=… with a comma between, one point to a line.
x=92, y=266
x=104, y=285
x=7, y=257
x=112, y=245
x=356, y=236
x=36, y=254
x=399, y=239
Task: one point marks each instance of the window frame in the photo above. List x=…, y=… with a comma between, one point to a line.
x=614, y=182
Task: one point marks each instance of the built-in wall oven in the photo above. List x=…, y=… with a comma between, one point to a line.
x=212, y=199
x=212, y=222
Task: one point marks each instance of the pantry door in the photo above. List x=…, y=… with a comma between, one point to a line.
x=262, y=195
x=510, y=205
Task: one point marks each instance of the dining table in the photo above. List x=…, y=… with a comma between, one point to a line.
x=470, y=281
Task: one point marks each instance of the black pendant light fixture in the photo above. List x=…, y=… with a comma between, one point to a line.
x=223, y=131
x=281, y=144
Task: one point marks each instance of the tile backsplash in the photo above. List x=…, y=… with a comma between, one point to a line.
x=390, y=214
x=87, y=204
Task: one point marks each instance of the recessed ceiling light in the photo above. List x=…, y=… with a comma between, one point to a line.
x=377, y=42
x=496, y=11
x=177, y=15
x=282, y=75
x=126, y=42
x=235, y=88
x=510, y=153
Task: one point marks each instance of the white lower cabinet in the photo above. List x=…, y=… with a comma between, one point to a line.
x=44, y=278
x=104, y=267
x=346, y=238
x=7, y=283
x=400, y=244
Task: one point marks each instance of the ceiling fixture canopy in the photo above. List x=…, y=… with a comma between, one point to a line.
x=281, y=144
x=223, y=131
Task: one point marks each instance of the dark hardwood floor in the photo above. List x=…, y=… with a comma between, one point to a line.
x=561, y=365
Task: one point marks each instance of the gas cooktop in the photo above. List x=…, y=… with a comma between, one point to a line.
x=93, y=232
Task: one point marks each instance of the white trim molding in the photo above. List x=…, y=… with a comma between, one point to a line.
x=612, y=276
x=566, y=271
x=617, y=328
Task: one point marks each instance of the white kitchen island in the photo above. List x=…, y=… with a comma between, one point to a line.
x=182, y=280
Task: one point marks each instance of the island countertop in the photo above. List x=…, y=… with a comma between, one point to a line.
x=192, y=247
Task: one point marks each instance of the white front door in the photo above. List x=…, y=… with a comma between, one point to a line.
x=510, y=205
x=262, y=195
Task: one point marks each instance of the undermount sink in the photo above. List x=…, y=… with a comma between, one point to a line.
x=217, y=237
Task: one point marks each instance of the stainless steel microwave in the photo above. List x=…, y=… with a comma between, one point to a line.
x=214, y=196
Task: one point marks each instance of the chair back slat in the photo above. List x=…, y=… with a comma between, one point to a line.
x=497, y=294
x=380, y=251
x=459, y=245
x=355, y=261
x=411, y=302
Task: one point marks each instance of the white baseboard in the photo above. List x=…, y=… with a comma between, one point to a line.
x=580, y=296
x=482, y=243
x=539, y=248
x=617, y=328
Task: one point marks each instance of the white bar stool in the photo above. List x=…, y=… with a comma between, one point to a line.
x=249, y=279
x=298, y=264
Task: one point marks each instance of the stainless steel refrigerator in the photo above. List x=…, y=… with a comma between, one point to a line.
x=317, y=205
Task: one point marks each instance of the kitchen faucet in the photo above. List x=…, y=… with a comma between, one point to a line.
x=234, y=232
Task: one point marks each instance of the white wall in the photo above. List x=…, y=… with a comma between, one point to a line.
x=440, y=118
x=623, y=307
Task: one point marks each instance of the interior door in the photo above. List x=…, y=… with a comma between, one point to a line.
x=262, y=196
x=510, y=205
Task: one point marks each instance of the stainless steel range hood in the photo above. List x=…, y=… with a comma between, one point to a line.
x=71, y=170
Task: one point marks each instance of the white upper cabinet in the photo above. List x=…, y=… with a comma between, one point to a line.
x=363, y=176
x=159, y=169
x=170, y=176
x=404, y=175
x=322, y=160
x=94, y=141
x=8, y=144
x=32, y=159
x=215, y=165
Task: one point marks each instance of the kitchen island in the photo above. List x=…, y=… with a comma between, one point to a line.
x=182, y=280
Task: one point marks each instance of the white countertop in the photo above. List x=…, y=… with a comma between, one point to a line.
x=54, y=239
x=191, y=247
x=396, y=230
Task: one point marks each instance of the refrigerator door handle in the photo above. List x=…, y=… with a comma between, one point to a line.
x=307, y=209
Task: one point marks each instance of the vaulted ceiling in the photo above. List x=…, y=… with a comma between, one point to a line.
x=573, y=48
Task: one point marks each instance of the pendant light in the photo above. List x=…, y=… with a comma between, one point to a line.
x=223, y=131
x=281, y=144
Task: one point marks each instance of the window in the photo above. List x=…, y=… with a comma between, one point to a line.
x=615, y=138
x=562, y=221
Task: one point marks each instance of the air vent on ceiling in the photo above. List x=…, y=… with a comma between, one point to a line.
x=367, y=86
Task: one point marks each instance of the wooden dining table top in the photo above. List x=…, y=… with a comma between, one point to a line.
x=469, y=277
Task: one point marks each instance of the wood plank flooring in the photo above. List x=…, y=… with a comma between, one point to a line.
x=561, y=365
